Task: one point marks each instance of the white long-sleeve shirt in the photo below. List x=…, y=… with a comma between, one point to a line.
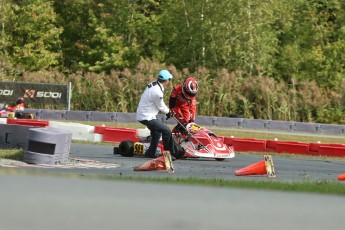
x=151, y=102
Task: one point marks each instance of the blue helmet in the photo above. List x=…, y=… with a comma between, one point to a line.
x=164, y=75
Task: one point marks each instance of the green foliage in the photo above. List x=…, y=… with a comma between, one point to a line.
x=221, y=93
x=33, y=34
x=286, y=39
x=312, y=46
x=268, y=59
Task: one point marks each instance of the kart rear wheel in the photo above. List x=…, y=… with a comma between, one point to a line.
x=179, y=151
x=126, y=148
x=219, y=159
x=116, y=150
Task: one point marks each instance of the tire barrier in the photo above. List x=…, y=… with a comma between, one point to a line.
x=47, y=146
x=14, y=136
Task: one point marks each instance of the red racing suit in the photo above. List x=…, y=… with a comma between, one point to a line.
x=184, y=109
x=16, y=108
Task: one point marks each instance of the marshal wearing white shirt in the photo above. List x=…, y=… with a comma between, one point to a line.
x=151, y=102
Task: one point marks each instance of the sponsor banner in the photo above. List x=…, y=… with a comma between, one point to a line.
x=34, y=93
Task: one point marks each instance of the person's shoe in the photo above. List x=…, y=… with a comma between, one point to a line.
x=158, y=155
x=148, y=155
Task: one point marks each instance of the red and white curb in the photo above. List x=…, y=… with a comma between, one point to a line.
x=71, y=163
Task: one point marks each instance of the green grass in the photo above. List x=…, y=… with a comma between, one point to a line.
x=318, y=187
x=13, y=154
x=322, y=187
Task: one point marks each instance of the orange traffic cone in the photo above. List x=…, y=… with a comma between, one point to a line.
x=155, y=164
x=259, y=168
x=341, y=177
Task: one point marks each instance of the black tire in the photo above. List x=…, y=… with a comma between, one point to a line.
x=179, y=151
x=116, y=150
x=19, y=115
x=126, y=148
x=220, y=159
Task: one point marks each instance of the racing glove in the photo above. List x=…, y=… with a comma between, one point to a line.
x=181, y=128
x=169, y=115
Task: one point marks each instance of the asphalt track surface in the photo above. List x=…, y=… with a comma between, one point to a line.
x=34, y=202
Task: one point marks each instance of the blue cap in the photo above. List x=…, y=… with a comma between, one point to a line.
x=164, y=75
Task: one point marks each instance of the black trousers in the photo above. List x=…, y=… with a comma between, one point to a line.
x=158, y=130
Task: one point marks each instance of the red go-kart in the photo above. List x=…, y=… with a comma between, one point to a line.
x=196, y=142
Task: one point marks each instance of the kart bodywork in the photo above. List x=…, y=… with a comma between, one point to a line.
x=6, y=114
x=201, y=142
x=13, y=112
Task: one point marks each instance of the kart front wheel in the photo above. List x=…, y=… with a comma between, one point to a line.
x=126, y=148
x=179, y=151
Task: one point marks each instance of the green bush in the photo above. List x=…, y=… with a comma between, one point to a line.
x=221, y=92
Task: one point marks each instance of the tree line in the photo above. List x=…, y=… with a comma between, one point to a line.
x=293, y=46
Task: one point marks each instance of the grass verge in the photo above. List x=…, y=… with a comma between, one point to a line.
x=317, y=187
x=321, y=187
x=13, y=154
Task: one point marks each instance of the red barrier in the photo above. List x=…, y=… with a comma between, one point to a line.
x=28, y=122
x=333, y=145
x=325, y=149
x=119, y=134
x=271, y=145
x=332, y=150
x=100, y=129
x=244, y=144
x=314, y=148
x=292, y=147
x=228, y=140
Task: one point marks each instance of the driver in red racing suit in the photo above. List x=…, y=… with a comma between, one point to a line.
x=182, y=103
x=18, y=108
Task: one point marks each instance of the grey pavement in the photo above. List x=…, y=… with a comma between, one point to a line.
x=44, y=202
